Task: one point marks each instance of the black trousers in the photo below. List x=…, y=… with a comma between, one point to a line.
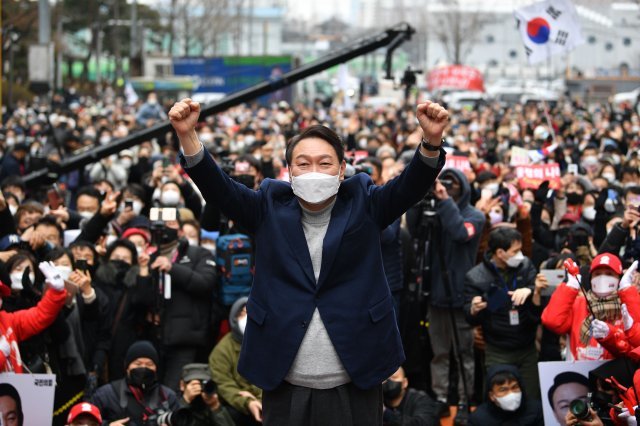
x=346, y=405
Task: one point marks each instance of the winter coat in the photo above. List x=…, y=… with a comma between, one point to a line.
x=487, y=281
x=20, y=325
x=568, y=309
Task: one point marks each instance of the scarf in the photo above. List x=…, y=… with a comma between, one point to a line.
x=605, y=309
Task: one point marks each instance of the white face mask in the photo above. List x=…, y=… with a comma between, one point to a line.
x=137, y=207
x=496, y=217
x=589, y=213
x=86, y=215
x=210, y=247
x=170, y=198
x=315, y=187
x=13, y=209
x=610, y=177
x=515, y=260
x=604, y=285
x=509, y=402
x=493, y=187
x=65, y=271
x=242, y=324
x=16, y=280
x=126, y=162
x=193, y=241
x=105, y=140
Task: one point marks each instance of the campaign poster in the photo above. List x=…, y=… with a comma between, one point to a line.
x=29, y=396
x=531, y=176
x=560, y=383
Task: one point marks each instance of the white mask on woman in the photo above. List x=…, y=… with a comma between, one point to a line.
x=604, y=285
x=315, y=187
x=16, y=280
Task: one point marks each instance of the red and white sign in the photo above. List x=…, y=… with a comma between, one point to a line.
x=459, y=162
x=531, y=176
x=455, y=77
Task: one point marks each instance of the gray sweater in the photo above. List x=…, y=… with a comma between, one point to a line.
x=317, y=364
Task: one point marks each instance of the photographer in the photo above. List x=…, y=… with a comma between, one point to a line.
x=138, y=399
x=456, y=241
x=189, y=275
x=200, y=396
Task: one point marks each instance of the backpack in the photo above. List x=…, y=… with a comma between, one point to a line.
x=234, y=258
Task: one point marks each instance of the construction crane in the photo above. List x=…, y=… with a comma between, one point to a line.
x=391, y=37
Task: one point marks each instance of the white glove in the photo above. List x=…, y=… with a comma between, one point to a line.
x=599, y=328
x=631, y=420
x=627, y=320
x=627, y=278
x=573, y=281
x=5, y=347
x=52, y=275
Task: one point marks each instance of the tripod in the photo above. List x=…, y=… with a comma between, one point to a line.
x=429, y=231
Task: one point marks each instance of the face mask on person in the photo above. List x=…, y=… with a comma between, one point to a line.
x=105, y=140
x=210, y=247
x=589, y=213
x=574, y=199
x=86, y=215
x=493, y=187
x=391, y=390
x=242, y=324
x=170, y=198
x=16, y=280
x=610, y=177
x=142, y=378
x=510, y=401
x=65, y=271
x=169, y=235
x=13, y=209
x=495, y=217
x=315, y=187
x=126, y=163
x=193, y=242
x=604, y=285
x=515, y=260
x=589, y=161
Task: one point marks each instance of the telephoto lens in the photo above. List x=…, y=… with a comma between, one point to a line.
x=580, y=409
x=209, y=387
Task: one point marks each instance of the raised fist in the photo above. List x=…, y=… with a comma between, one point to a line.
x=184, y=116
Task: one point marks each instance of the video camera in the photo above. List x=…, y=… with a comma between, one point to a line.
x=158, y=216
x=180, y=417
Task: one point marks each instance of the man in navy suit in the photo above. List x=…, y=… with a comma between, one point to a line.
x=321, y=335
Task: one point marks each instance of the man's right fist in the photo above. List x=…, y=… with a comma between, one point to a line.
x=184, y=116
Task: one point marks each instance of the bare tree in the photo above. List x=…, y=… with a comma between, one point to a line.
x=458, y=30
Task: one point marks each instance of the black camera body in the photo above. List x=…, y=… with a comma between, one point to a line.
x=209, y=387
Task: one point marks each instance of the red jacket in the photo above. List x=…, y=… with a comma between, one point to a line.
x=20, y=325
x=568, y=309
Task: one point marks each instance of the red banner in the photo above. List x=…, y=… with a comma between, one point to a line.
x=531, y=176
x=455, y=77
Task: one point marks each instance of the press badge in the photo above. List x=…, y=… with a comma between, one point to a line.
x=514, y=317
x=594, y=352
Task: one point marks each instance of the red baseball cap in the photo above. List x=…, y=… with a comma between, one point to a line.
x=607, y=260
x=84, y=408
x=5, y=291
x=136, y=231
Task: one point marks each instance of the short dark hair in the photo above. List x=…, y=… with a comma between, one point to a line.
x=503, y=238
x=7, y=389
x=51, y=221
x=317, y=131
x=502, y=378
x=89, y=191
x=631, y=190
x=57, y=253
x=564, y=378
x=125, y=244
x=374, y=161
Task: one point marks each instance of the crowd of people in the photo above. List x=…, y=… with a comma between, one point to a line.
x=145, y=326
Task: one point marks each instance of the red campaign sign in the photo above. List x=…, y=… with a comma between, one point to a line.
x=459, y=162
x=455, y=77
x=530, y=177
x=356, y=155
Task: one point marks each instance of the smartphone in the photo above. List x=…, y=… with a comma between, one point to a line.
x=554, y=277
x=54, y=197
x=573, y=169
x=165, y=162
x=82, y=265
x=128, y=204
x=162, y=214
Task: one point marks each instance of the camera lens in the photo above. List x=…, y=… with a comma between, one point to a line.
x=579, y=408
x=209, y=387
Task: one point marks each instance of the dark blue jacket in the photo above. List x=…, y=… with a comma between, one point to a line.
x=352, y=293
x=391, y=246
x=457, y=240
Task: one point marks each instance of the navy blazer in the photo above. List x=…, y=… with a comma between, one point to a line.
x=352, y=294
